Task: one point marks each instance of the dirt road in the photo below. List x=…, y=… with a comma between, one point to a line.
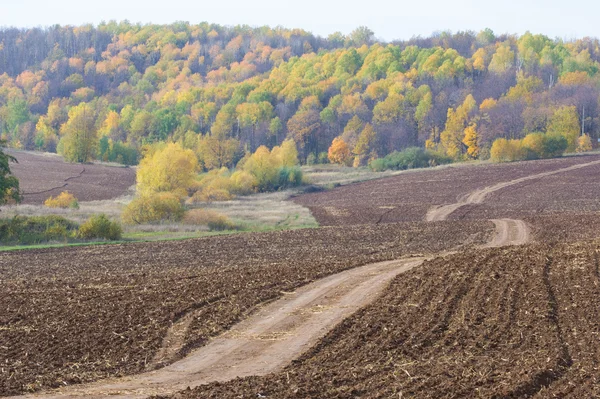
x=263, y=343
x=509, y=232
x=284, y=329
x=478, y=196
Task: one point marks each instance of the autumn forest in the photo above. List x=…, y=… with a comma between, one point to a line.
x=106, y=92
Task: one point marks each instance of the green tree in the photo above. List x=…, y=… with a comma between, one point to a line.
x=9, y=184
x=17, y=113
x=565, y=122
x=80, y=139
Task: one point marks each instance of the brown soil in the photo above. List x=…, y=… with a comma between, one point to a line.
x=409, y=196
x=75, y=315
x=265, y=342
x=44, y=175
x=463, y=332
x=478, y=196
x=499, y=323
x=274, y=336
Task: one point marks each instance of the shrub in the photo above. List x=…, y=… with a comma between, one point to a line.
x=554, y=146
x=242, y=182
x=37, y=229
x=153, y=208
x=212, y=219
x=63, y=200
x=99, y=226
x=533, y=146
x=263, y=166
x=410, y=158
x=211, y=194
x=533, y=143
x=507, y=151
x=288, y=177
x=311, y=159
x=584, y=143
x=323, y=158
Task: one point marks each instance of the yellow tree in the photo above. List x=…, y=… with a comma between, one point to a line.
x=263, y=166
x=287, y=154
x=339, y=152
x=470, y=140
x=365, y=147
x=216, y=153
x=502, y=60
x=110, y=127
x=565, y=122
x=80, y=140
x=451, y=139
x=584, y=143
x=168, y=169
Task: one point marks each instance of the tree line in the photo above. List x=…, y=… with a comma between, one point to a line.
x=104, y=92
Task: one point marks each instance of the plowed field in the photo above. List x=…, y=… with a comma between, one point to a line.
x=575, y=191
x=79, y=314
x=499, y=323
x=409, y=196
x=45, y=175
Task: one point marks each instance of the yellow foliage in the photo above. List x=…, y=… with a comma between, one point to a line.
x=507, y=151
x=339, y=152
x=210, y=194
x=154, y=207
x=487, y=104
x=584, y=143
x=63, y=200
x=534, y=142
x=206, y=217
x=242, y=182
x=430, y=144
x=262, y=166
x=470, y=140
x=170, y=169
x=565, y=122
x=214, y=186
x=574, y=78
x=287, y=154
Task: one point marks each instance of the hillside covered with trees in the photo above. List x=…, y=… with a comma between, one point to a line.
x=103, y=92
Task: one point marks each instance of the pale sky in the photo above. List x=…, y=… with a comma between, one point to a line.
x=388, y=19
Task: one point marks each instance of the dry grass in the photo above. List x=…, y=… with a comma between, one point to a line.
x=265, y=211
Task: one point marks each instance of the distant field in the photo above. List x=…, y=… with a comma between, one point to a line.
x=44, y=175
x=576, y=191
x=408, y=196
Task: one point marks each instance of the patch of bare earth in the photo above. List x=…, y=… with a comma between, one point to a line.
x=44, y=175
x=74, y=315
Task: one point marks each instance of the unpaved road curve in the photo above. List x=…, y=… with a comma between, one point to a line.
x=476, y=197
x=281, y=331
x=263, y=343
x=509, y=232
